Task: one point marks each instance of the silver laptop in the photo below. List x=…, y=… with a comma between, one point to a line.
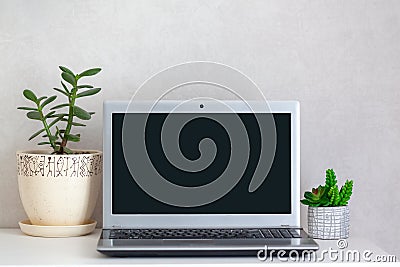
x=201, y=178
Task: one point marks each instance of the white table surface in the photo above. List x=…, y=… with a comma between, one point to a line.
x=17, y=248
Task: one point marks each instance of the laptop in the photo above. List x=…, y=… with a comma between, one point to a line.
x=201, y=178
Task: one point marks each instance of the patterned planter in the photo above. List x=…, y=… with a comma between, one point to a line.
x=329, y=222
x=59, y=190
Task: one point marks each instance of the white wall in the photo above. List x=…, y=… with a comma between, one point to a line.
x=340, y=59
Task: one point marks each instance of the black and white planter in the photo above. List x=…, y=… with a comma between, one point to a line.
x=329, y=222
x=59, y=190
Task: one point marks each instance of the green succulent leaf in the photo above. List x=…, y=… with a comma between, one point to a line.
x=81, y=113
x=49, y=115
x=44, y=143
x=62, y=115
x=310, y=196
x=84, y=86
x=49, y=100
x=65, y=88
x=68, y=151
x=30, y=95
x=90, y=72
x=321, y=191
x=60, y=106
x=89, y=92
x=27, y=108
x=34, y=115
x=324, y=201
x=61, y=91
x=306, y=202
x=69, y=78
x=73, y=137
x=65, y=69
x=36, y=134
x=41, y=98
x=53, y=137
x=78, y=124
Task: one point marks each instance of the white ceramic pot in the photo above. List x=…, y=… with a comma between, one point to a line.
x=59, y=190
x=329, y=222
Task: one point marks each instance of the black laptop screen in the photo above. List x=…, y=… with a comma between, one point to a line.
x=273, y=196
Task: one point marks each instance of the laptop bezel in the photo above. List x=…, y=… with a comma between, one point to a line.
x=111, y=220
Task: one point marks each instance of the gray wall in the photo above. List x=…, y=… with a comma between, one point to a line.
x=340, y=59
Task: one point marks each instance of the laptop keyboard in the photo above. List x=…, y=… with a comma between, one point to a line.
x=203, y=233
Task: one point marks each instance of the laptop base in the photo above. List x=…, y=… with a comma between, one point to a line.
x=169, y=246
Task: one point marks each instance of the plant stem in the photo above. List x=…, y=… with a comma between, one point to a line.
x=70, y=118
x=46, y=127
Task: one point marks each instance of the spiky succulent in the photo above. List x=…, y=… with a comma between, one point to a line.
x=345, y=192
x=329, y=194
x=330, y=178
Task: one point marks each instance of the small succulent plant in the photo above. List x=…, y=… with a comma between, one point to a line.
x=56, y=135
x=329, y=194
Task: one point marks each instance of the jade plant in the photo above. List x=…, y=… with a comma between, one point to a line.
x=329, y=195
x=58, y=121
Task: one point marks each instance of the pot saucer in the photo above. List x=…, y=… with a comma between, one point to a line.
x=57, y=231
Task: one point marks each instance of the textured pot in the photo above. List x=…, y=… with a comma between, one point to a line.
x=59, y=190
x=329, y=222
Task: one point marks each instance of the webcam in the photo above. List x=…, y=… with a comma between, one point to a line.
x=201, y=106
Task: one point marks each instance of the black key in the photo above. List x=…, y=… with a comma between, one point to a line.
x=253, y=233
x=294, y=233
x=267, y=233
x=285, y=233
x=275, y=233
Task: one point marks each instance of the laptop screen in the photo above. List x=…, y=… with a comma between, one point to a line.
x=273, y=196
